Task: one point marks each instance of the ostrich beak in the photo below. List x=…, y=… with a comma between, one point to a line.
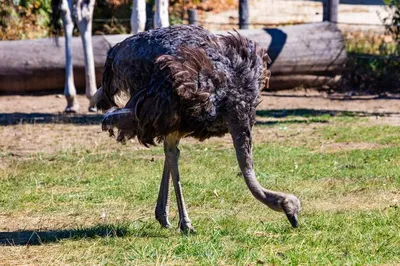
x=293, y=219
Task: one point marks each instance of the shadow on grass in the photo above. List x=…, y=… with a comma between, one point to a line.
x=291, y=121
x=89, y=119
x=339, y=97
x=314, y=114
x=22, y=238
x=46, y=118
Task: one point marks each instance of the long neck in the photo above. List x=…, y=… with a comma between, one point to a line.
x=269, y=197
x=242, y=143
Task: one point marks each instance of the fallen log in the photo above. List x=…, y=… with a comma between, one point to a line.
x=36, y=65
x=311, y=55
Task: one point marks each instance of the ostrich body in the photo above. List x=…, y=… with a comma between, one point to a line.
x=183, y=81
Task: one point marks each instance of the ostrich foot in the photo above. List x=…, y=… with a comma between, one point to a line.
x=72, y=106
x=72, y=109
x=186, y=228
x=163, y=220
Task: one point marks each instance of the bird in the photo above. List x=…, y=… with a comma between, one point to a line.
x=183, y=81
x=68, y=10
x=82, y=12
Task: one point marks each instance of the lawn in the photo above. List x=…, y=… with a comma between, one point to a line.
x=93, y=203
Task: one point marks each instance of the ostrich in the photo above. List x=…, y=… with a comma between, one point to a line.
x=183, y=81
x=83, y=12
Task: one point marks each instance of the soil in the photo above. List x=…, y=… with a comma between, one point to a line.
x=36, y=123
x=282, y=100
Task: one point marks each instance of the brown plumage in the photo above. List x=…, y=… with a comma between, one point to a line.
x=185, y=81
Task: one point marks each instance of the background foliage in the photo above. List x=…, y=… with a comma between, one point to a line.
x=374, y=59
x=24, y=19
x=29, y=19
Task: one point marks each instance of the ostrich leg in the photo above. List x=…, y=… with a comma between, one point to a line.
x=69, y=89
x=172, y=155
x=84, y=12
x=161, y=14
x=163, y=199
x=277, y=201
x=138, y=16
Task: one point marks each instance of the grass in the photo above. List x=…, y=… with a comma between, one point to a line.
x=95, y=206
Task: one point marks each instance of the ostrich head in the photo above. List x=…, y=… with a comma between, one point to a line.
x=282, y=202
x=291, y=207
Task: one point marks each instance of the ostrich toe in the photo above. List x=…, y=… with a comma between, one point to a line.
x=163, y=220
x=186, y=228
x=72, y=106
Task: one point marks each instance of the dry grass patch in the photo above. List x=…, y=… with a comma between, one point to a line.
x=349, y=146
x=362, y=200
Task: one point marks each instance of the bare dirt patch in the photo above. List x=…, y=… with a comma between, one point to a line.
x=30, y=124
x=372, y=105
x=53, y=104
x=293, y=99
x=348, y=146
x=358, y=200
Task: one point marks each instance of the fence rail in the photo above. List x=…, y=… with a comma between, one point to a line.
x=272, y=13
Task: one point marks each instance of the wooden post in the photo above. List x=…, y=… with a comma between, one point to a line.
x=330, y=10
x=192, y=14
x=149, y=17
x=243, y=14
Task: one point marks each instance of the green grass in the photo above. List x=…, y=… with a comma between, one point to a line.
x=97, y=207
x=385, y=135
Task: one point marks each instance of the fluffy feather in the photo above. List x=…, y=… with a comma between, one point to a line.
x=182, y=79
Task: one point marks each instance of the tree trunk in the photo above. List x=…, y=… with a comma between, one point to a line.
x=305, y=55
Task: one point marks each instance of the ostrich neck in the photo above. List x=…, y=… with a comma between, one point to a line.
x=242, y=143
x=268, y=197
